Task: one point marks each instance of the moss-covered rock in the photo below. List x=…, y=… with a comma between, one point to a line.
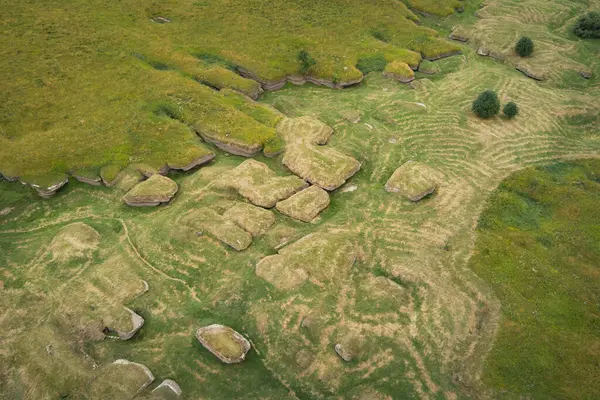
x=400, y=71
x=255, y=220
x=260, y=185
x=225, y=343
x=155, y=190
x=414, y=180
x=321, y=166
x=305, y=205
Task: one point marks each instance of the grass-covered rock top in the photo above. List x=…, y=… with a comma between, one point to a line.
x=225, y=343
x=414, y=180
x=155, y=190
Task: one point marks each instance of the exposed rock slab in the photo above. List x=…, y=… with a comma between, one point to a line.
x=483, y=51
x=399, y=71
x=255, y=220
x=223, y=229
x=260, y=185
x=136, y=322
x=321, y=166
x=48, y=190
x=529, y=72
x=305, y=205
x=167, y=390
x=89, y=178
x=225, y=343
x=237, y=147
x=414, y=180
x=155, y=190
x=343, y=352
x=348, y=347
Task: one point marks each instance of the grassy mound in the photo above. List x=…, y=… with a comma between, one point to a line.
x=400, y=71
x=414, y=180
x=305, y=205
x=75, y=240
x=228, y=232
x=255, y=220
x=320, y=256
x=321, y=166
x=122, y=379
x=538, y=247
x=304, y=129
x=155, y=190
x=259, y=184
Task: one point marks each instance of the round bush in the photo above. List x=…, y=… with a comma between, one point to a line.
x=524, y=47
x=487, y=104
x=305, y=60
x=588, y=26
x=510, y=110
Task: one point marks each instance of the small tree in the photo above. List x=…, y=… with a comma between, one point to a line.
x=524, y=47
x=510, y=110
x=588, y=26
x=305, y=60
x=487, y=104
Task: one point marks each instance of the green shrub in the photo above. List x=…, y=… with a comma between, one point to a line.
x=371, y=64
x=487, y=104
x=588, y=26
x=510, y=110
x=524, y=47
x=305, y=60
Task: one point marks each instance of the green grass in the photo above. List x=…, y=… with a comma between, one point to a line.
x=83, y=83
x=428, y=340
x=538, y=247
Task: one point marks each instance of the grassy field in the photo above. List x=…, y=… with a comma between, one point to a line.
x=385, y=277
x=538, y=248
x=89, y=85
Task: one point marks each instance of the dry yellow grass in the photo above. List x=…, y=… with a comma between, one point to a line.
x=414, y=180
x=75, y=240
x=259, y=184
x=304, y=129
x=305, y=205
x=255, y=220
